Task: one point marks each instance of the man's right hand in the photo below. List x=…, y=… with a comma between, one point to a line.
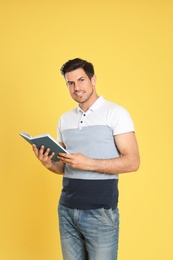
x=43, y=157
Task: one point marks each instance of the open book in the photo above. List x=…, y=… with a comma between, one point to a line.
x=47, y=141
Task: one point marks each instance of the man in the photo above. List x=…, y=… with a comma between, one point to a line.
x=99, y=135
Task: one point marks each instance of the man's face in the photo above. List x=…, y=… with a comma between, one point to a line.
x=80, y=86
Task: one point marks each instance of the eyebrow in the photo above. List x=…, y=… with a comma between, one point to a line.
x=71, y=81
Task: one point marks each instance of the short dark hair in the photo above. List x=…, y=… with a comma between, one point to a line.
x=76, y=64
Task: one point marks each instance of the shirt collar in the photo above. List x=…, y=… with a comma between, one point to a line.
x=97, y=104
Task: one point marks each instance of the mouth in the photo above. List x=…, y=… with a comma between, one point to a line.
x=79, y=93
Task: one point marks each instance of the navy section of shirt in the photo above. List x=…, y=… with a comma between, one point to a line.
x=89, y=194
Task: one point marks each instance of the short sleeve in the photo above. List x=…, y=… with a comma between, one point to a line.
x=121, y=121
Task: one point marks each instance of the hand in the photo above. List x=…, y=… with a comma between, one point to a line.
x=76, y=160
x=44, y=158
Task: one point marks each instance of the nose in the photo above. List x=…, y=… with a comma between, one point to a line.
x=76, y=86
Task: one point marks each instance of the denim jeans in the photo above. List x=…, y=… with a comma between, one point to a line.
x=89, y=234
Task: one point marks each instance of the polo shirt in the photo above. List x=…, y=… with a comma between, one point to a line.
x=92, y=134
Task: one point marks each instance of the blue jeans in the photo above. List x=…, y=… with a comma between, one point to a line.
x=89, y=234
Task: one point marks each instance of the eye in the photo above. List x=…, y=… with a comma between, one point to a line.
x=82, y=79
x=70, y=83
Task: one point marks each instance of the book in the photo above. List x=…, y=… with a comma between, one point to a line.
x=48, y=142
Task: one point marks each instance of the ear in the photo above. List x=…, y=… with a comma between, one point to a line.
x=93, y=80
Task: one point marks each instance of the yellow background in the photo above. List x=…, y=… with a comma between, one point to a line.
x=130, y=44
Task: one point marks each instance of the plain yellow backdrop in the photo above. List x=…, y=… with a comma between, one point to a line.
x=130, y=44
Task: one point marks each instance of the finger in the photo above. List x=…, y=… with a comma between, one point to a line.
x=64, y=155
x=51, y=155
x=41, y=150
x=64, y=160
x=46, y=153
x=41, y=153
x=34, y=147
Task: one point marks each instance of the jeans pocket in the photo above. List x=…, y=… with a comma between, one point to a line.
x=112, y=216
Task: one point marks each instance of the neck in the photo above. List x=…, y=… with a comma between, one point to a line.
x=87, y=104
